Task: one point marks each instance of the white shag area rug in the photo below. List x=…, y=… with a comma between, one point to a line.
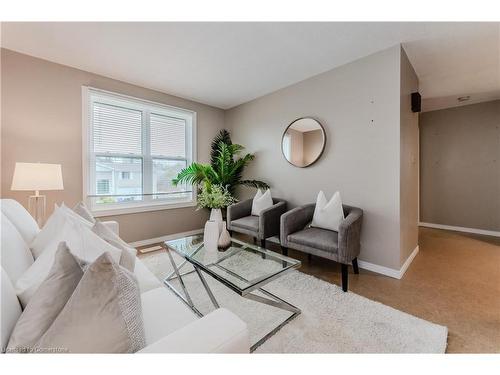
x=331, y=321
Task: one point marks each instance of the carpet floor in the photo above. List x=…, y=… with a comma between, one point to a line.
x=331, y=321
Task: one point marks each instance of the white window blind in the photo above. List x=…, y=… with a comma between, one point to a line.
x=134, y=150
x=168, y=136
x=116, y=129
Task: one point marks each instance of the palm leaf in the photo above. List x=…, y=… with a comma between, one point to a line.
x=195, y=174
x=223, y=136
x=254, y=183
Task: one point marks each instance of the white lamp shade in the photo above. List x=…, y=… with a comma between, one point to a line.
x=37, y=176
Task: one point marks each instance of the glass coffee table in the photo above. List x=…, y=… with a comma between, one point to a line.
x=243, y=268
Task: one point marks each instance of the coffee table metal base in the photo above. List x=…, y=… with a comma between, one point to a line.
x=268, y=298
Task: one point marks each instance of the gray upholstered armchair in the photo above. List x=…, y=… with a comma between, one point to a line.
x=342, y=246
x=241, y=220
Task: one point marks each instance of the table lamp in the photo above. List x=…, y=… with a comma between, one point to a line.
x=36, y=177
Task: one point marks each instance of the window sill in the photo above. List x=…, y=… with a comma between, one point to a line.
x=137, y=209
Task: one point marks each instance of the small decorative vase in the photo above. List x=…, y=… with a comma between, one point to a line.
x=211, y=235
x=216, y=215
x=224, y=242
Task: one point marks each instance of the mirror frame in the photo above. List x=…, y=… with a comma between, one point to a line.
x=322, y=148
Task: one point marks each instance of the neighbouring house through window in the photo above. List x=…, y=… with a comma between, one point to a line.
x=134, y=148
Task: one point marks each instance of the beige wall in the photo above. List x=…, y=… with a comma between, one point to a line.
x=359, y=106
x=42, y=121
x=460, y=166
x=408, y=161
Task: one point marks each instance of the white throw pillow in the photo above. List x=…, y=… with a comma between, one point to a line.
x=128, y=257
x=83, y=243
x=328, y=215
x=53, y=226
x=82, y=210
x=261, y=201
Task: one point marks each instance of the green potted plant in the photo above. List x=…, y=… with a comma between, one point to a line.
x=215, y=197
x=225, y=169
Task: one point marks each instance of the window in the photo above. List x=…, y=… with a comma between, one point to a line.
x=127, y=175
x=102, y=186
x=133, y=150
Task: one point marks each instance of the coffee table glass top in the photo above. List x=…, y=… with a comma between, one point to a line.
x=243, y=267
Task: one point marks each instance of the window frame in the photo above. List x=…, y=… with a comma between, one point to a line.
x=146, y=106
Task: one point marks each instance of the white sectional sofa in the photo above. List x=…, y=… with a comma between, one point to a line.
x=170, y=326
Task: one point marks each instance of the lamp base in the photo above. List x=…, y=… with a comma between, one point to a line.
x=36, y=207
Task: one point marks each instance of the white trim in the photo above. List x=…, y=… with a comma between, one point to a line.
x=167, y=237
x=144, y=206
x=461, y=229
x=391, y=272
x=408, y=261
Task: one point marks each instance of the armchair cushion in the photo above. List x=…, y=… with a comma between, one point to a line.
x=317, y=238
x=238, y=210
x=247, y=222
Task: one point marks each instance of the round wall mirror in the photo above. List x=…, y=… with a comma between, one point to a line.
x=303, y=142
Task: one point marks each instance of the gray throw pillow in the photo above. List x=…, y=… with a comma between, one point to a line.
x=128, y=255
x=47, y=302
x=103, y=315
x=82, y=210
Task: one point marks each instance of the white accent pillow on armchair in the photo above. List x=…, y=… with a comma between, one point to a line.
x=261, y=201
x=328, y=214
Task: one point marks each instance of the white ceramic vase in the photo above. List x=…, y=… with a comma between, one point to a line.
x=216, y=215
x=211, y=235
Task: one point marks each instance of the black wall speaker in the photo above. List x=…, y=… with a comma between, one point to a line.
x=416, y=102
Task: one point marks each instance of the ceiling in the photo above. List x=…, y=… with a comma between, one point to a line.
x=226, y=64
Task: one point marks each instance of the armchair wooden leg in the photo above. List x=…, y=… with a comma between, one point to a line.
x=355, y=265
x=262, y=243
x=344, y=277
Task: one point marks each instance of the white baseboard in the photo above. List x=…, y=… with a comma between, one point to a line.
x=168, y=237
x=391, y=272
x=461, y=229
x=408, y=261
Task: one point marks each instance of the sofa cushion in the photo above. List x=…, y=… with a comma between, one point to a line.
x=247, y=222
x=110, y=293
x=83, y=243
x=128, y=257
x=48, y=301
x=82, y=210
x=163, y=314
x=317, y=238
x=21, y=219
x=10, y=309
x=16, y=255
x=52, y=229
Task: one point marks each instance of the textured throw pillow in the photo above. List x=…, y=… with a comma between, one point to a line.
x=52, y=228
x=103, y=315
x=82, y=210
x=83, y=243
x=47, y=302
x=261, y=201
x=328, y=215
x=128, y=256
